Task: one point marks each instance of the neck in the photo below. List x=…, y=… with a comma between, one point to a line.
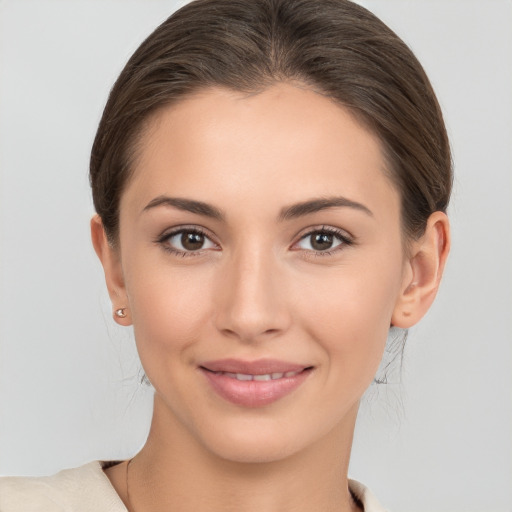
x=175, y=472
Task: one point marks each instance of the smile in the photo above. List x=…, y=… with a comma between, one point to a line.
x=254, y=384
x=263, y=377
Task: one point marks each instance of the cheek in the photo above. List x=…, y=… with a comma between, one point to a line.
x=349, y=315
x=168, y=310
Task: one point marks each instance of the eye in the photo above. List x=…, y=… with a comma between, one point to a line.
x=325, y=240
x=185, y=242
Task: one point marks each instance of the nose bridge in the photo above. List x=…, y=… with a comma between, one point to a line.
x=251, y=304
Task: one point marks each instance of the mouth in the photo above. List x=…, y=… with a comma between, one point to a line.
x=258, y=377
x=254, y=383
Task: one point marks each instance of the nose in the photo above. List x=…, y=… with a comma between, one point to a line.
x=251, y=302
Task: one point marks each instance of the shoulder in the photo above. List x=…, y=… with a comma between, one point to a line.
x=364, y=497
x=73, y=490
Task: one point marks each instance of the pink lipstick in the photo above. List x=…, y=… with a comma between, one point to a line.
x=254, y=383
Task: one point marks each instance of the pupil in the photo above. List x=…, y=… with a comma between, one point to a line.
x=322, y=241
x=192, y=241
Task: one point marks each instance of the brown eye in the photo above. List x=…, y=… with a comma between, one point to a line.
x=187, y=241
x=321, y=241
x=192, y=241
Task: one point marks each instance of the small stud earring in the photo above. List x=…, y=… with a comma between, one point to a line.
x=121, y=312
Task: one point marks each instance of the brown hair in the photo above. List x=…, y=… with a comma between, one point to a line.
x=334, y=46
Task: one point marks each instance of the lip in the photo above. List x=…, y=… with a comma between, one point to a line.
x=254, y=393
x=258, y=367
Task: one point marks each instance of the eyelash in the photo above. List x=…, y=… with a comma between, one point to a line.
x=345, y=241
x=196, y=230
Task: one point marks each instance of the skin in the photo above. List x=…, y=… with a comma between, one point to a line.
x=259, y=289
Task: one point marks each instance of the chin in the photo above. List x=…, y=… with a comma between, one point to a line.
x=254, y=449
x=261, y=440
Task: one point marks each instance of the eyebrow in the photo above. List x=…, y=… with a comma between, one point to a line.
x=187, y=205
x=290, y=212
x=316, y=205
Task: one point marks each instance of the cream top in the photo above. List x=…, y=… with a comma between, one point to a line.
x=87, y=488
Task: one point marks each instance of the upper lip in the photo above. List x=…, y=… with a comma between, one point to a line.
x=258, y=367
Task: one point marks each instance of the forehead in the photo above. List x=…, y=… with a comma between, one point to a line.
x=282, y=143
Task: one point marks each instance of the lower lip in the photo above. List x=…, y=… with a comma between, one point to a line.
x=254, y=393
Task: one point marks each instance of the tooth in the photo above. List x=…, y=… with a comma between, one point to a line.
x=231, y=375
x=277, y=376
x=266, y=376
x=290, y=374
x=243, y=376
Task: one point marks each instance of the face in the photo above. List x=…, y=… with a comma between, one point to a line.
x=261, y=262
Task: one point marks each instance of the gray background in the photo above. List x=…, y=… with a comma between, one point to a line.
x=69, y=377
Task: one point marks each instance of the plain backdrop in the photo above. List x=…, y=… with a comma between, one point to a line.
x=70, y=385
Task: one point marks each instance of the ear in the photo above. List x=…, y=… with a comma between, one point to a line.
x=111, y=261
x=423, y=271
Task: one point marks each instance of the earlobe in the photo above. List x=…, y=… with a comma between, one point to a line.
x=111, y=262
x=423, y=272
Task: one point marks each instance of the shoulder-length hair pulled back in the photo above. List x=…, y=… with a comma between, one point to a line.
x=336, y=47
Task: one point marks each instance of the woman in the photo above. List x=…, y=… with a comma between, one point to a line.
x=270, y=179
